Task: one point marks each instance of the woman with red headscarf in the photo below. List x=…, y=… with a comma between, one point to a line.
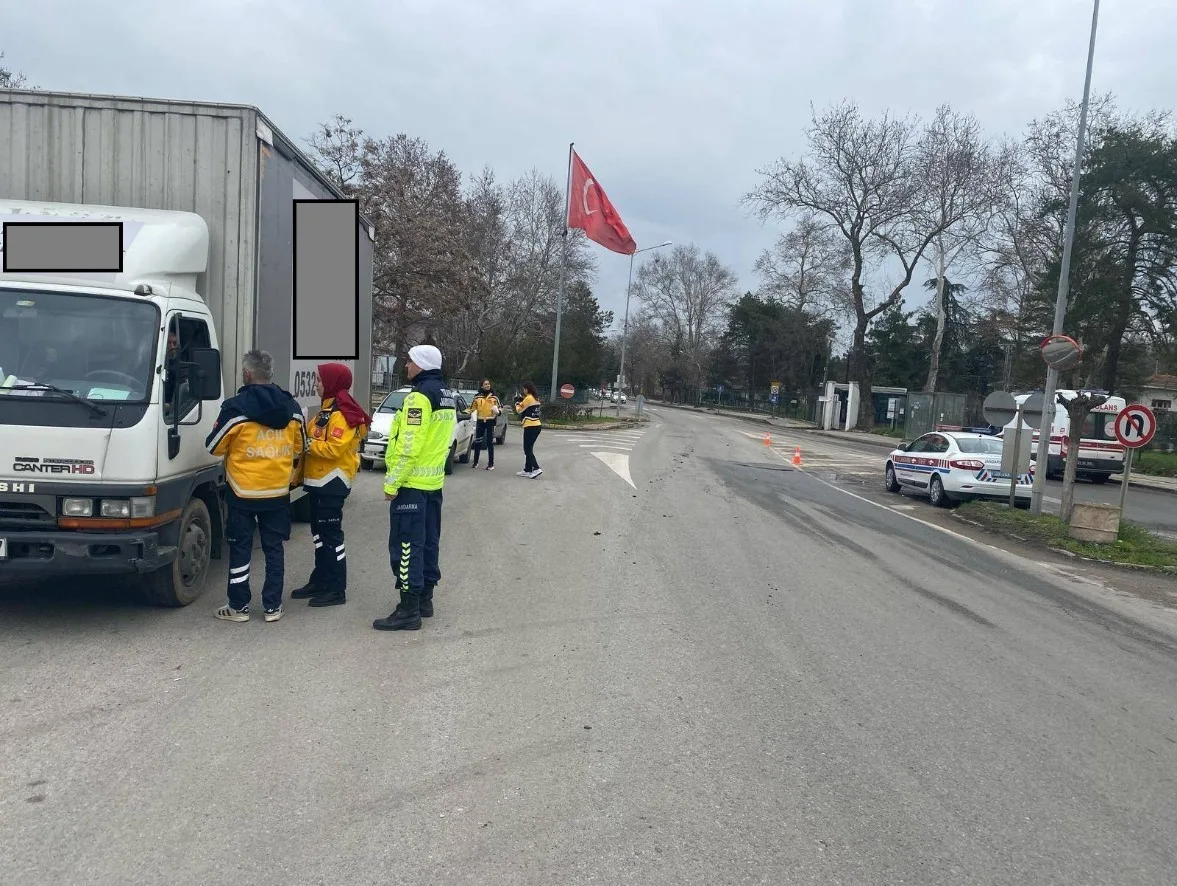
x=331, y=463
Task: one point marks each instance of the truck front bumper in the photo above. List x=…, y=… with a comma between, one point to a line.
x=32, y=554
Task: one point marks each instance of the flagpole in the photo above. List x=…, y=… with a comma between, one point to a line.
x=563, y=273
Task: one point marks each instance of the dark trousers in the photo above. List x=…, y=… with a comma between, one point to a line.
x=273, y=525
x=327, y=533
x=414, y=539
x=484, y=438
x=529, y=435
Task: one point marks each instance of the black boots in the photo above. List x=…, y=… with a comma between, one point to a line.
x=305, y=592
x=318, y=596
x=329, y=598
x=427, y=602
x=406, y=616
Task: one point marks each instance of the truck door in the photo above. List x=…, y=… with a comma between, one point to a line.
x=195, y=420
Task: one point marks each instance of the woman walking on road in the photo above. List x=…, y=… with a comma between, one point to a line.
x=528, y=408
x=486, y=408
x=332, y=459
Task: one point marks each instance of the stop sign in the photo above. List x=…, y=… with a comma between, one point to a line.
x=567, y=391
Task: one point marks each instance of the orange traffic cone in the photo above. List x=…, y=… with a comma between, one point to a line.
x=767, y=439
x=797, y=456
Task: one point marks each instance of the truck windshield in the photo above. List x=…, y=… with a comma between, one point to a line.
x=96, y=347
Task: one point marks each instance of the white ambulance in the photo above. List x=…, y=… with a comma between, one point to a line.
x=1100, y=454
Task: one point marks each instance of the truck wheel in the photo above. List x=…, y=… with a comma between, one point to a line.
x=449, y=459
x=182, y=582
x=465, y=456
x=503, y=439
x=1099, y=479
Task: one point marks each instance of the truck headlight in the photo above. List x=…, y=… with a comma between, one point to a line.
x=77, y=507
x=127, y=508
x=375, y=436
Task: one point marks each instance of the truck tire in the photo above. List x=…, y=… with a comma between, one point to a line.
x=1099, y=479
x=465, y=456
x=449, y=459
x=181, y=582
x=500, y=440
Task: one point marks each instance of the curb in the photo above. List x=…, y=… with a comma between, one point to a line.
x=1139, y=567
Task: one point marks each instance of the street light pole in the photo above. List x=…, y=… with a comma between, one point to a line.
x=1064, y=278
x=625, y=327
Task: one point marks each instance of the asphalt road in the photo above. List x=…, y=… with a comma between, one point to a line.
x=862, y=463
x=729, y=671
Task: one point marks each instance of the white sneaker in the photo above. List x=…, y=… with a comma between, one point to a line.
x=523, y=474
x=228, y=613
x=535, y=473
x=273, y=614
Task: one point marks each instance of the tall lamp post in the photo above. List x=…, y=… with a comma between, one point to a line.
x=625, y=327
x=1064, y=277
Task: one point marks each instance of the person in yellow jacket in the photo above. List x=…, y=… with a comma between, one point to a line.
x=260, y=432
x=332, y=460
x=418, y=443
x=527, y=405
x=486, y=408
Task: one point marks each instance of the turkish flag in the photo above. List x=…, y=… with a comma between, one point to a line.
x=589, y=210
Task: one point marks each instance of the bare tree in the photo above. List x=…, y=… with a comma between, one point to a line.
x=337, y=149
x=10, y=79
x=863, y=179
x=957, y=166
x=1077, y=408
x=807, y=269
x=688, y=293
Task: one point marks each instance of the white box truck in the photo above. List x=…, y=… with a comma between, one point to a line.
x=103, y=469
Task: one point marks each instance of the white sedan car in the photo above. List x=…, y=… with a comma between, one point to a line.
x=951, y=467
x=372, y=452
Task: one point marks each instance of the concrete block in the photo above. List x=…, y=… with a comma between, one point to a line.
x=1095, y=523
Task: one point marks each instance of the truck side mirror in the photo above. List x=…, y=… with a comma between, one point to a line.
x=204, y=374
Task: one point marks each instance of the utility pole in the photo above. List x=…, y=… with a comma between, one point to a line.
x=1060, y=304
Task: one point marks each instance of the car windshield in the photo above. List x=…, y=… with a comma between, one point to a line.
x=96, y=347
x=979, y=445
x=393, y=401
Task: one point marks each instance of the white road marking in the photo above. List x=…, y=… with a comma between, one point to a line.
x=618, y=464
x=607, y=446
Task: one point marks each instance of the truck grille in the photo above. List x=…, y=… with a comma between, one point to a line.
x=25, y=515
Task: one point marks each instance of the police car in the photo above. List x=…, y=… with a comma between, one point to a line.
x=372, y=453
x=950, y=466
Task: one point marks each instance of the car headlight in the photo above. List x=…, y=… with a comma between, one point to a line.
x=375, y=436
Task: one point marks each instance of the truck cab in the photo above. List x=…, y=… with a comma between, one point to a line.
x=109, y=384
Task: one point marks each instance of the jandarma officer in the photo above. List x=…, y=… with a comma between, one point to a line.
x=418, y=444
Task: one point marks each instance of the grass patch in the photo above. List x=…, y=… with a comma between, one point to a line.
x=884, y=431
x=1136, y=546
x=1156, y=464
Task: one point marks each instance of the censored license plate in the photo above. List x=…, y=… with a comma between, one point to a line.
x=3, y=548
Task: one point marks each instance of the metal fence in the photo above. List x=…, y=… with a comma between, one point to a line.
x=930, y=412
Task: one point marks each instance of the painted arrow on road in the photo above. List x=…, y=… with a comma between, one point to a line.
x=617, y=463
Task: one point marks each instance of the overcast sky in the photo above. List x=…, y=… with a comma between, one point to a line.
x=673, y=105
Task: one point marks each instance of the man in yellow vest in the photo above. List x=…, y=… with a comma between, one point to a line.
x=418, y=444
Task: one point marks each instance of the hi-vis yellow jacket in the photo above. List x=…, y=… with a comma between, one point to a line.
x=260, y=432
x=420, y=438
x=333, y=451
